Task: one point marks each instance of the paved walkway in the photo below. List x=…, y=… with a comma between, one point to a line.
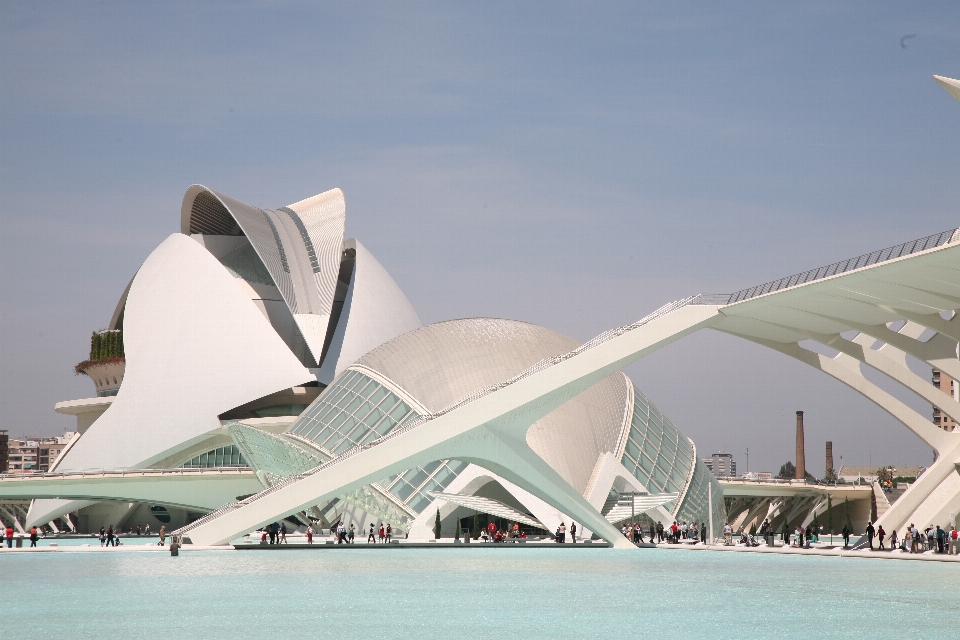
x=838, y=552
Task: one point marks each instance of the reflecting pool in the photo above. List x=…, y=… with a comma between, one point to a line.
x=457, y=593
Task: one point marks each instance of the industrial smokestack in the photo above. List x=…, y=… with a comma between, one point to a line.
x=801, y=462
x=829, y=458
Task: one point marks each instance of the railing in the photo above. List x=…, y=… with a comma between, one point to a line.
x=867, y=259
x=789, y=481
x=99, y=473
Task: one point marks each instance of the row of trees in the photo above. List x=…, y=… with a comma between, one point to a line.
x=106, y=344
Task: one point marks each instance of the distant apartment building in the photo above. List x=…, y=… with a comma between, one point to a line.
x=4, y=450
x=35, y=454
x=722, y=465
x=949, y=386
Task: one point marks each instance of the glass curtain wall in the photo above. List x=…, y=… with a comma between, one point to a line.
x=357, y=409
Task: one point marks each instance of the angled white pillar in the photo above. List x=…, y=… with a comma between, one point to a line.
x=846, y=369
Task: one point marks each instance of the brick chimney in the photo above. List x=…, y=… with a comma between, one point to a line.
x=801, y=462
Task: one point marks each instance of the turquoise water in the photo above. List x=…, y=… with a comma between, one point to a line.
x=457, y=593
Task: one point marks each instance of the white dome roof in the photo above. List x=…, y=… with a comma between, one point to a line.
x=445, y=362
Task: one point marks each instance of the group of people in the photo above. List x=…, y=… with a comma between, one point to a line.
x=675, y=533
x=383, y=535
x=8, y=535
x=275, y=533
x=933, y=538
x=560, y=535
x=492, y=533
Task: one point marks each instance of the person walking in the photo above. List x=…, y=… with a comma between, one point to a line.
x=309, y=534
x=893, y=540
x=573, y=532
x=389, y=533
x=371, y=538
x=870, y=533
x=103, y=536
x=110, y=536
x=382, y=534
x=846, y=536
x=954, y=535
x=703, y=532
x=351, y=534
x=9, y=536
x=941, y=537
x=283, y=533
x=659, y=531
x=163, y=535
x=33, y=536
x=880, y=535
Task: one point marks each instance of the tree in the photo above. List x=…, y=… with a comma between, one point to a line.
x=475, y=532
x=436, y=526
x=456, y=530
x=753, y=529
x=846, y=508
x=873, y=506
x=785, y=532
x=829, y=515
x=787, y=471
x=816, y=524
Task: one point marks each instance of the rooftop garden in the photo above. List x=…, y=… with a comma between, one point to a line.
x=106, y=347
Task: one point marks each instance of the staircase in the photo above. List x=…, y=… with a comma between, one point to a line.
x=886, y=500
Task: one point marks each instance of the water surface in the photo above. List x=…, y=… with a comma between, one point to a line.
x=456, y=593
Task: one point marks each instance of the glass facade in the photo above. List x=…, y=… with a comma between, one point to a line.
x=273, y=454
x=694, y=506
x=656, y=452
x=661, y=458
x=357, y=409
x=411, y=486
x=228, y=456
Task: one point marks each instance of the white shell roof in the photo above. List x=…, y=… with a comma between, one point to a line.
x=444, y=362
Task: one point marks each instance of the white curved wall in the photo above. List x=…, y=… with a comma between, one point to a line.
x=196, y=346
x=375, y=311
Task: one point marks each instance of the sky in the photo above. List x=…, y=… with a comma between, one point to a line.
x=574, y=165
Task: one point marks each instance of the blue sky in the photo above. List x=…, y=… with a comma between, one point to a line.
x=572, y=165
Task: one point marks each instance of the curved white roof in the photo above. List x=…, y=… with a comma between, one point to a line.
x=442, y=363
x=300, y=245
x=375, y=310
